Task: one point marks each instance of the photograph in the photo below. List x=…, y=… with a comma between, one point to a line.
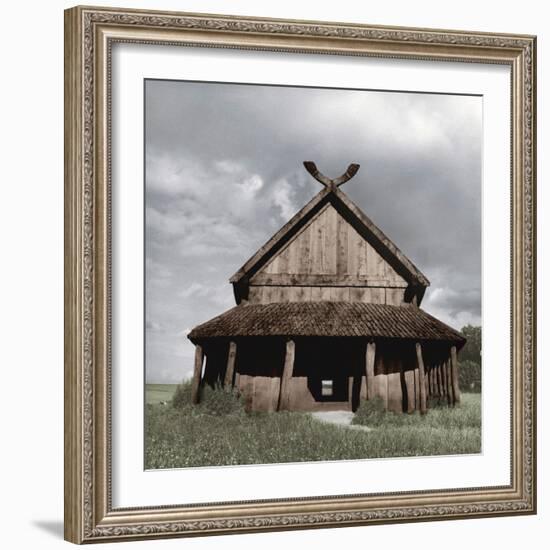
x=313, y=268
x=300, y=263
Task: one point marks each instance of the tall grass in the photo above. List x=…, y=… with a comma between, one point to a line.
x=211, y=434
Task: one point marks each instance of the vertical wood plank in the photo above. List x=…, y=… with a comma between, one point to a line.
x=454, y=372
x=293, y=253
x=247, y=391
x=381, y=388
x=377, y=295
x=342, y=246
x=394, y=296
x=427, y=373
x=273, y=265
x=363, y=389
x=421, y=378
x=284, y=394
x=330, y=240
x=409, y=384
x=316, y=294
x=370, y=355
x=293, y=293
x=439, y=382
x=326, y=294
x=356, y=294
x=339, y=294
x=448, y=374
x=353, y=238
x=427, y=384
x=255, y=294
x=275, y=389
x=395, y=392
x=285, y=294
x=317, y=247
x=361, y=257
x=231, y=356
x=416, y=389
x=199, y=357
x=283, y=260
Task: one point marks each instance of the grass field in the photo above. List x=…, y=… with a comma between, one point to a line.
x=157, y=393
x=207, y=435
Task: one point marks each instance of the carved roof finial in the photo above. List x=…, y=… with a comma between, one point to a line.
x=328, y=182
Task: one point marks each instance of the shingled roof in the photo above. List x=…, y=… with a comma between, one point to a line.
x=327, y=319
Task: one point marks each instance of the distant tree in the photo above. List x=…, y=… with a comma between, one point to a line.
x=469, y=376
x=472, y=349
x=470, y=360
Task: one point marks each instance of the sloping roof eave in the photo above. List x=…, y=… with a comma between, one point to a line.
x=327, y=319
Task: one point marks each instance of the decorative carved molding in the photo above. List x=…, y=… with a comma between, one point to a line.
x=303, y=520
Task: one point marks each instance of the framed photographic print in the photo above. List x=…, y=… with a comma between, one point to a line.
x=300, y=274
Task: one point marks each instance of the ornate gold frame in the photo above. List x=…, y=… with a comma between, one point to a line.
x=89, y=34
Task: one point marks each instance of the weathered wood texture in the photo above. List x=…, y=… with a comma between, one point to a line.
x=329, y=246
x=260, y=393
x=363, y=394
x=369, y=368
x=284, y=394
x=421, y=378
x=395, y=392
x=229, y=371
x=454, y=372
x=301, y=399
x=409, y=385
x=440, y=387
x=199, y=356
x=416, y=389
x=267, y=294
x=449, y=378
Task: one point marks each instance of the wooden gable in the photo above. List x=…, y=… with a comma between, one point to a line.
x=328, y=251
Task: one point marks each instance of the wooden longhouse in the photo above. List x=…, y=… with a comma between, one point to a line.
x=328, y=314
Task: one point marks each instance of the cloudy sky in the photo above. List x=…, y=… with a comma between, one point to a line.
x=224, y=172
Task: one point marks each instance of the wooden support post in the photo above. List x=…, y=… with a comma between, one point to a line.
x=369, y=368
x=421, y=378
x=231, y=356
x=395, y=392
x=284, y=394
x=363, y=388
x=409, y=384
x=443, y=368
x=454, y=371
x=448, y=377
x=429, y=381
x=350, y=391
x=199, y=356
x=428, y=388
x=381, y=388
x=437, y=389
x=416, y=390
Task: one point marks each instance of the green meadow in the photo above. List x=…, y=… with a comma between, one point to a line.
x=219, y=432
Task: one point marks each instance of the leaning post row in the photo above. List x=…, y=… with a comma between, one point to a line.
x=439, y=380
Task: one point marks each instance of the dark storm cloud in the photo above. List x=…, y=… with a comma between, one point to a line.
x=224, y=172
